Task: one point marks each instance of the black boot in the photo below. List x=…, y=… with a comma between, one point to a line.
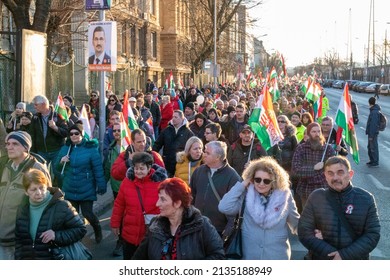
x=118, y=248
x=98, y=233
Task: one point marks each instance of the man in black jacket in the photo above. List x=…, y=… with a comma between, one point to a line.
x=340, y=222
x=172, y=140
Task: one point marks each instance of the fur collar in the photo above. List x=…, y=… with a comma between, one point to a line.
x=267, y=215
x=156, y=173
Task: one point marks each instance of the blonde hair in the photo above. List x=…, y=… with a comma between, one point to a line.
x=191, y=141
x=267, y=164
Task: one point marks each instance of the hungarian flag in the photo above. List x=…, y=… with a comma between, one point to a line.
x=128, y=114
x=85, y=119
x=60, y=108
x=172, y=84
x=263, y=121
x=166, y=84
x=273, y=74
x=274, y=89
x=180, y=83
x=317, y=108
x=125, y=134
x=346, y=127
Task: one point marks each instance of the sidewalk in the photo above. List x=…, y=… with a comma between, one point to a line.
x=103, y=203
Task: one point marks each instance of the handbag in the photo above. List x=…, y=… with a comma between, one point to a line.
x=74, y=251
x=232, y=240
x=147, y=217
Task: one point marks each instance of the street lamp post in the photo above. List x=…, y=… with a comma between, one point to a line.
x=215, y=44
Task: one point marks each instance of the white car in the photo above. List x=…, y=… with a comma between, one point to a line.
x=384, y=89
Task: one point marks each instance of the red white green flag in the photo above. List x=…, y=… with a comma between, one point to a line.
x=128, y=114
x=263, y=121
x=60, y=108
x=171, y=81
x=86, y=125
x=125, y=134
x=346, y=127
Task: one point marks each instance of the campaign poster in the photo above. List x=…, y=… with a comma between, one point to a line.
x=102, y=46
x=91, y=5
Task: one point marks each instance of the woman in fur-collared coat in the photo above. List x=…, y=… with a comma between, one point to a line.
x=269, y=211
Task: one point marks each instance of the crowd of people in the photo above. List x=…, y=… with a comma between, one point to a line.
x=189, y=170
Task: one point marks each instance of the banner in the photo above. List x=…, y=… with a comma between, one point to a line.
x=91, y=5
x=102, y=46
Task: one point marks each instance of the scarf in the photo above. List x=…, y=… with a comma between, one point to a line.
x=36, y=210
x=267, y=211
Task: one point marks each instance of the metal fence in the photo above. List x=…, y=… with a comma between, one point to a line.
x=7, y=86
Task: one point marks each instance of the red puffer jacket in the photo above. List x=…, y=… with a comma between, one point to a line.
x=127, y=208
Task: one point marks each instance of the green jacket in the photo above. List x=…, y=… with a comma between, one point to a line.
x=108, y=162
x=12, y=195
x=300, y=132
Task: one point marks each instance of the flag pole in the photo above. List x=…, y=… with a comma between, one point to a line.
x=250, y=150
x=327, y=143
x=63, y=167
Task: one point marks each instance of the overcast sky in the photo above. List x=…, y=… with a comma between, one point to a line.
x=304, y=29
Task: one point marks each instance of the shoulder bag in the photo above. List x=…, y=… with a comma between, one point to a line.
x=232, y=241
x=147, y=217
x=74, y=251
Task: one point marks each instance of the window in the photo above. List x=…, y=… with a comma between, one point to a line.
x=153, y=40
x=132, y=41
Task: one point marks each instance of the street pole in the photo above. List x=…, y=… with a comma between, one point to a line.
x=215, y=44
x=102, y=98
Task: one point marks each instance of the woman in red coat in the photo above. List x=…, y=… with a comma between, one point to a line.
x=136, y=201
x=166, y=109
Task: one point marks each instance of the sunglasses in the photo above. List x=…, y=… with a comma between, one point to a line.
x=112, y=100
x=74, y=133
x=93, y=95
x=282, y=122
x=265, y=181
x=116, y=130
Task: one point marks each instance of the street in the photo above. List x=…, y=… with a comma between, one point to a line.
x=375, y=180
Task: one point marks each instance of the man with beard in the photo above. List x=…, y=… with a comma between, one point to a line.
x=308, y=162
x=339, y=222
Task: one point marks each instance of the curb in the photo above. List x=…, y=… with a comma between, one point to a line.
x=103, y=203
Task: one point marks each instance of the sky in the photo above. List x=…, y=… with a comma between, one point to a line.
x=305, y=29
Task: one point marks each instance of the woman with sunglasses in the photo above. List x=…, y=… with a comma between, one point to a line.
x=180, y=232
x=269, y=210
x=81, y=168
x=113, y=103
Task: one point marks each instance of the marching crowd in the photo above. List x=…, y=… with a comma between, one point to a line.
x=192, y=166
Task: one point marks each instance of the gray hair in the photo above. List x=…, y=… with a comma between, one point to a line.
x=219, y=148
x=40, y=99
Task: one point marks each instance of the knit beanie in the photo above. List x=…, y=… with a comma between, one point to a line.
x=69, y=98
x=191, y=106
x=77, y=126
x=21, y=105
x=310, y=127
x=22, y=137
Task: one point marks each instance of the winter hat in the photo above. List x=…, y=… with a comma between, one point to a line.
x=310, y=127
x=191, y=105
x=69, y=98
x=22, y=137
x=77, y=126
x=21, y=105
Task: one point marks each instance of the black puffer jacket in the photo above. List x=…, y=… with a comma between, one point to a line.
x=287, y=147
x=67, y=225
x=319, y=214
x=198, y=239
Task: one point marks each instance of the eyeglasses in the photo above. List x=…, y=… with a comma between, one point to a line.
x=282, y=121
x=265, y=181
x=116, y=130
x=74, y=133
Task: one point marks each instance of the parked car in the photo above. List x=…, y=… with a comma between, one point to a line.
x=384, y=89
x=372, y=88
x=351, y=83
x=338, y=84
x=362, y=86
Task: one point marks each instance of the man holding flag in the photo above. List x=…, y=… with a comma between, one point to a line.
x=48, y=128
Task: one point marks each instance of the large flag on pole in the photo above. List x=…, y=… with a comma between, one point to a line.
x=85, y=119
x=346, y=127
x=128, y=114
x=125, y=134
x=60, y=108
x=263, y=121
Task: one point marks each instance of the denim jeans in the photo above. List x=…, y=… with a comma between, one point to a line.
x=373, y=151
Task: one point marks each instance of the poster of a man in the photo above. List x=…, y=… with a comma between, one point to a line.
x=102, y=46
x=99, y=44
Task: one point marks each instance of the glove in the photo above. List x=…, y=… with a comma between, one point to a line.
x=101, y=191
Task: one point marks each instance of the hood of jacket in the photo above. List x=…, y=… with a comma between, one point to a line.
x=156, y=173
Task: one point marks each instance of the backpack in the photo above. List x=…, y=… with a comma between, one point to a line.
x=382, y=121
